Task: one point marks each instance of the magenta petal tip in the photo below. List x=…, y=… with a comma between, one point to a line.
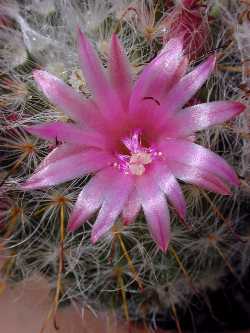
x=28, y=185
x=234, y=180
x=78, y=29
x=114, y=37
x=163, y=247
x=126, y=222
x=81, y=36
x=29, y=129
x=94, y=239
x=74, y=222
x=236, y=183
x=209, y=64
x=38, y=74
x=241, y=107
x=182, y=213
x=71, y=227
x=212, y=60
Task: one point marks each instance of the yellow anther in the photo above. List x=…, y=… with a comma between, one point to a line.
x=137, y=169
x=141, y=158
x=137, y=162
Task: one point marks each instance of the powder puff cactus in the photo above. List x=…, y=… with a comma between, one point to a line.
x=134, y=139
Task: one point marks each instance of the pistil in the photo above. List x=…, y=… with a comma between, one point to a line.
x=138, y=158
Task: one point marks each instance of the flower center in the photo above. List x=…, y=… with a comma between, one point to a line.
x=137, y=162
x=138, y=156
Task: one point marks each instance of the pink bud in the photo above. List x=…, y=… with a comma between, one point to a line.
x=188, y=21
x=5, y=21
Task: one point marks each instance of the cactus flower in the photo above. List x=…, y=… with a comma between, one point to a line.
x=135, y=139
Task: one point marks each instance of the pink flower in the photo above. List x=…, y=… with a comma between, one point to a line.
x=134, y=139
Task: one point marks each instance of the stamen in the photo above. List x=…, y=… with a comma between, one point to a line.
x=139, y=156
x=137, y=169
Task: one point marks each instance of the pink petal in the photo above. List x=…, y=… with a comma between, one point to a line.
x=96, y=78
x=90, y=198
x=131, y=208
x=147, y=118
x=169, y=185
x=65, y=163
x=155, y=209
x=67, y=132
x=64, y=97
x=193, y=175
x=115, y=198
x=181, y=70
x=201, y=116
x=181, y=93
x=189, y=153
x=157, y=77
x=119, y=70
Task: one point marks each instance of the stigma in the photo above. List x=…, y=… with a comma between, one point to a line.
x=138, y=157
x=138, y=161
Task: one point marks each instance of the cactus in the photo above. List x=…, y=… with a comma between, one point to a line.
x=124, y=270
